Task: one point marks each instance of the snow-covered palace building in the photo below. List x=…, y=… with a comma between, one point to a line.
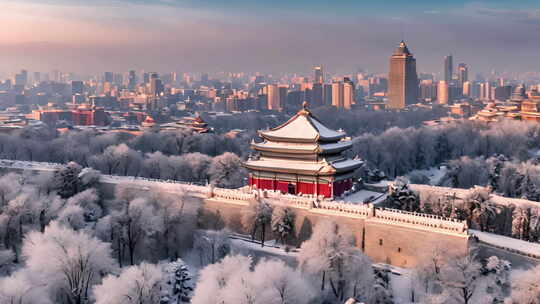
x=302, y=156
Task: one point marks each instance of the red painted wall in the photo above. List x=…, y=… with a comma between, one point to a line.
x=341, y=186
x=305, y=188
x=301, y=187
x=282, y=186
x=325, y=189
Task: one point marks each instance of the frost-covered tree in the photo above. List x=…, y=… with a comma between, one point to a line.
x=178, y=283
x=22, y=288
x=89, y=177
x=270, y=282
x=215, y=278
x=10, y=186
x=283, y=223
x=526, y=286
x=497, y=277
x=426, y=276
x=141, y=284
x=331, y=256
x=461, y=275
x=402, y=197
x=211, y=246
x=174, y=228
x=66, y=179
x=257, y=216
x=281, y=284
x=89, y=201
x=481, y=212
x=67, y=262
x=226, y=171
x=199, y=165
x=72, y=216
x=119, y=159
x=135, y=220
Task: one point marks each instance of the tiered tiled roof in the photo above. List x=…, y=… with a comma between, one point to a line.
x=303, y=145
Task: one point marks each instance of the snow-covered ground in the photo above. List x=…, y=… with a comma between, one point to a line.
x=244, y=243
x=435, y=174
x=508, y=242
x=365, y=196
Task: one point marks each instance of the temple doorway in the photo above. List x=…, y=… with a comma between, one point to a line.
x=290, y=189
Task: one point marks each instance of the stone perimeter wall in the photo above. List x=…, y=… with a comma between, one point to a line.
x=387, y=236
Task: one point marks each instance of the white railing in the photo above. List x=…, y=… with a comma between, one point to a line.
x=310, y=202
x=420, y=219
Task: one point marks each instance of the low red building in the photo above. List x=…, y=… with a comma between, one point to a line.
x=82, y=116
x=302, y=156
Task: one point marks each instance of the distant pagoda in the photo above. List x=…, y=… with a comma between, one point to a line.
x=302, y=156
x=195, y=123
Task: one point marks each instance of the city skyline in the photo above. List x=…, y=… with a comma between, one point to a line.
x=87, y=37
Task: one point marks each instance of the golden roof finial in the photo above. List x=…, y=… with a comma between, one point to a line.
x=304, y=110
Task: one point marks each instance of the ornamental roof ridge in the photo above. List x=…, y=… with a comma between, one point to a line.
x=303, y=126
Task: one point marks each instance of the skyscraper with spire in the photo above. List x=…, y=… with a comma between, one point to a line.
x=402, y=79
x=448, y=68
x=319, y=74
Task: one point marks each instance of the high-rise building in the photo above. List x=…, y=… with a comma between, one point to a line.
x=467, y=89
x=77, y=87
x=146, y=78
x=319, y=74
x=442, y=92
x=283, y=91
x=317, y=95
x=337, y=94
x=132, y=80
x=343, y=93
x=273, y=97
x=428, y=90
x=108, y=77
x=21, y=79
x=503, y=93
x=348, y=93
x=37, y=77
x=485, y=91
x=403, y=80
x=448, y=68
x=327, y=94
x=156, y=86
x=463, y=74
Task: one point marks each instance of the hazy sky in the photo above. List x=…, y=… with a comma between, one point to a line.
x=266, y=36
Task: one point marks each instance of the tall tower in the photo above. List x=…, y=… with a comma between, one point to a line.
x=273, y=97
x=319, y=74
x=337, y=94
x=348, y=93
x=132, y=80
x=443, y=92
x=463, y=74
x=448, y=68
x=403, y=80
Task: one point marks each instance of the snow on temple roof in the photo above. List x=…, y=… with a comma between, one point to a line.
x=276, y=165
x=289, y=147
x=347, y=165
x=302, y=127
x=302, y=147
x=322, y=167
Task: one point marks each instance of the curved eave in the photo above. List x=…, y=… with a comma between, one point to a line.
x=286, y=139
x=283, y=150
x=289, y=170
x=352, y=167
x=334, y=149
